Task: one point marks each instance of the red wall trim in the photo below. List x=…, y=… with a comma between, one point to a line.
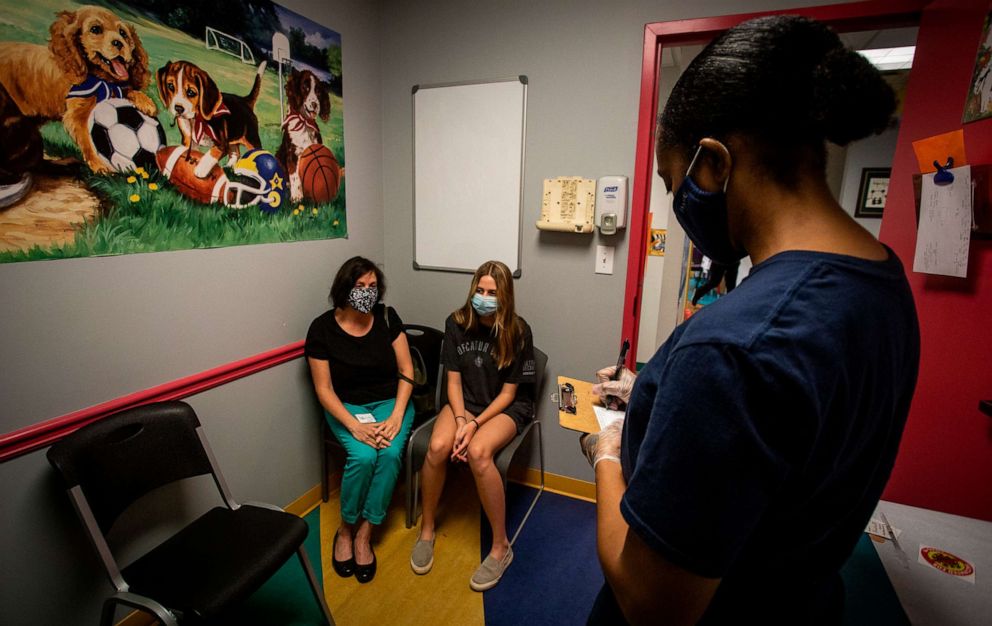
x=30, y=438
x=841, y=17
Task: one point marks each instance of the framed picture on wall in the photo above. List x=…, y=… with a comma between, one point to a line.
x=871, y=195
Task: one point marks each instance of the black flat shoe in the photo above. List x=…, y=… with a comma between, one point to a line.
x=365, y=573
x=345, y=568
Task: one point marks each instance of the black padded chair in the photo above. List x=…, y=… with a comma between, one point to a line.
x=425, y=350
x=210, y=566
x=421, y=437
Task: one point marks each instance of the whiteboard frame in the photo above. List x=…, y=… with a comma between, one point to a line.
x=523, y=153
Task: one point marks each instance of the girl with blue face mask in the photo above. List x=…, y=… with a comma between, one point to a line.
x=489, y=358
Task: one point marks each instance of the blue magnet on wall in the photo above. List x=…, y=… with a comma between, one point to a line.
x=943, y=176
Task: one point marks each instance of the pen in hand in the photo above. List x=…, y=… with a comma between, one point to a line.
x=612, y=402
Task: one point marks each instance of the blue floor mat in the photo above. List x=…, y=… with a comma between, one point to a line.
x=555, y=574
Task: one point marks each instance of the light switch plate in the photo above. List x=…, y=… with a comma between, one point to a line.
x=604, y=259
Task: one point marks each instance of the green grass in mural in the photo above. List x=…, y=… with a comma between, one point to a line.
x=164, y=219
x=161, y=219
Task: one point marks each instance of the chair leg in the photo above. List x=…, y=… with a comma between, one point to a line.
x=540, y=447
x=314, y=585
x=409, y=491
x=414, y=502
x=135, y=601
x=324, y=489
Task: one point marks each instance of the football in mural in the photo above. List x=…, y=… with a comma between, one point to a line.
x=178, y=168
x=123, y=136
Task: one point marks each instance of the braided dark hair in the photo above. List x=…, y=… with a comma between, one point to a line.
x=785, y=82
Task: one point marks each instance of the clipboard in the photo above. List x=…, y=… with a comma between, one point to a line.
x=584, y=420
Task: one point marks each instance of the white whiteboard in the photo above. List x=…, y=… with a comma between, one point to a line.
x=468, y=159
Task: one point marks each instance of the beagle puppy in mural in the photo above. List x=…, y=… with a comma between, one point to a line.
x=92, y=55
x=206, y=116
x=307, y=99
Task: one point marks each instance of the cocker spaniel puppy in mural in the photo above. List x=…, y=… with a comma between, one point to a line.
x=308, y=99
x=92, y=55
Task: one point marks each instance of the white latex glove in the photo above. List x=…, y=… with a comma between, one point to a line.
x=604, y=445
x=619, y=389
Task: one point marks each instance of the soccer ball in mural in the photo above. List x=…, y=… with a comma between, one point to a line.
x=123, y=136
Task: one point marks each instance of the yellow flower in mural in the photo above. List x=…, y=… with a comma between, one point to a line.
x=315, y=210
x=134, y=197
x=153, y=186
x=140, y=171
x=335, y=222
x=132, y=179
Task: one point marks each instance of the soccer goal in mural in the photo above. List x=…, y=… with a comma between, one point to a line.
x=228, y=44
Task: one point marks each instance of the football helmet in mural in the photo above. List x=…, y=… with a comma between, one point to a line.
x=262, y=182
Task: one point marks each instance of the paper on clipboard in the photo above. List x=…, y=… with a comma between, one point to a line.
x=605, y=416
x=944, y=234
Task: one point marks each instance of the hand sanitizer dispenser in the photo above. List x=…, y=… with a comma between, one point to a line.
x=611, y=204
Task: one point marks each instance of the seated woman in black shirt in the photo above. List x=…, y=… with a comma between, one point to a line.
x=489, y=357
x=361, y=369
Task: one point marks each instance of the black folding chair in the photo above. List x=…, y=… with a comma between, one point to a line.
x=420, y=440
x=212, y=564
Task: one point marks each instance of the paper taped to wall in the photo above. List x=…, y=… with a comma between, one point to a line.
x=944, y=233
x=568, y=204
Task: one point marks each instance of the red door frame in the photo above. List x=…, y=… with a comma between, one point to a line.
x=873, y=14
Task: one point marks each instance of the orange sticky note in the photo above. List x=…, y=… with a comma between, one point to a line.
x=938, y=148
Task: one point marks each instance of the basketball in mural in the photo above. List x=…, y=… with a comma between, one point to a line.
x=320, y=174
x=123, y=136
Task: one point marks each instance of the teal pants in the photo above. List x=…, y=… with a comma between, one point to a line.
x=370, y=474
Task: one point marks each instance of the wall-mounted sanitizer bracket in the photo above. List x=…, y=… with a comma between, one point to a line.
x=611, y=204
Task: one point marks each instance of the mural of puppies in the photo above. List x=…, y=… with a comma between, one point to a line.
x=92, y=55
x=208, y=117
x=307, y=99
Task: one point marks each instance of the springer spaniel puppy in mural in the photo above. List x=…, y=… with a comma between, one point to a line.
x=206, y=116
x=307, y=99
x=92, y=55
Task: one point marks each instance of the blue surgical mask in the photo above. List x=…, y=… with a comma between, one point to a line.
x=703, y=216
x=484, y=305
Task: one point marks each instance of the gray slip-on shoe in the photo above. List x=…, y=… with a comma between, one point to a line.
x=490, y=572
x=422, y=558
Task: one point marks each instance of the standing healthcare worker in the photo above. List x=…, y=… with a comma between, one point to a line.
x=759, y=437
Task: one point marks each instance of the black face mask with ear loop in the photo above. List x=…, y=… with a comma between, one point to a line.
x=703, y=216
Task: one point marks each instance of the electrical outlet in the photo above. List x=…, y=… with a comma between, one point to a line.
x=604, y=259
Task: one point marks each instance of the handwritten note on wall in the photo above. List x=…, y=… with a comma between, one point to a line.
x=944, y=233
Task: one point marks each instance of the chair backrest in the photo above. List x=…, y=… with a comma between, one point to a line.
x=121, y=458
x=425, y=350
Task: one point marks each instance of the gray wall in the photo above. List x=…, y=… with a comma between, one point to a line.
x=75, y=333
x=583, y=61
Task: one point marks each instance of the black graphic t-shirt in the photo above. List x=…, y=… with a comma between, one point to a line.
x=471, y=354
